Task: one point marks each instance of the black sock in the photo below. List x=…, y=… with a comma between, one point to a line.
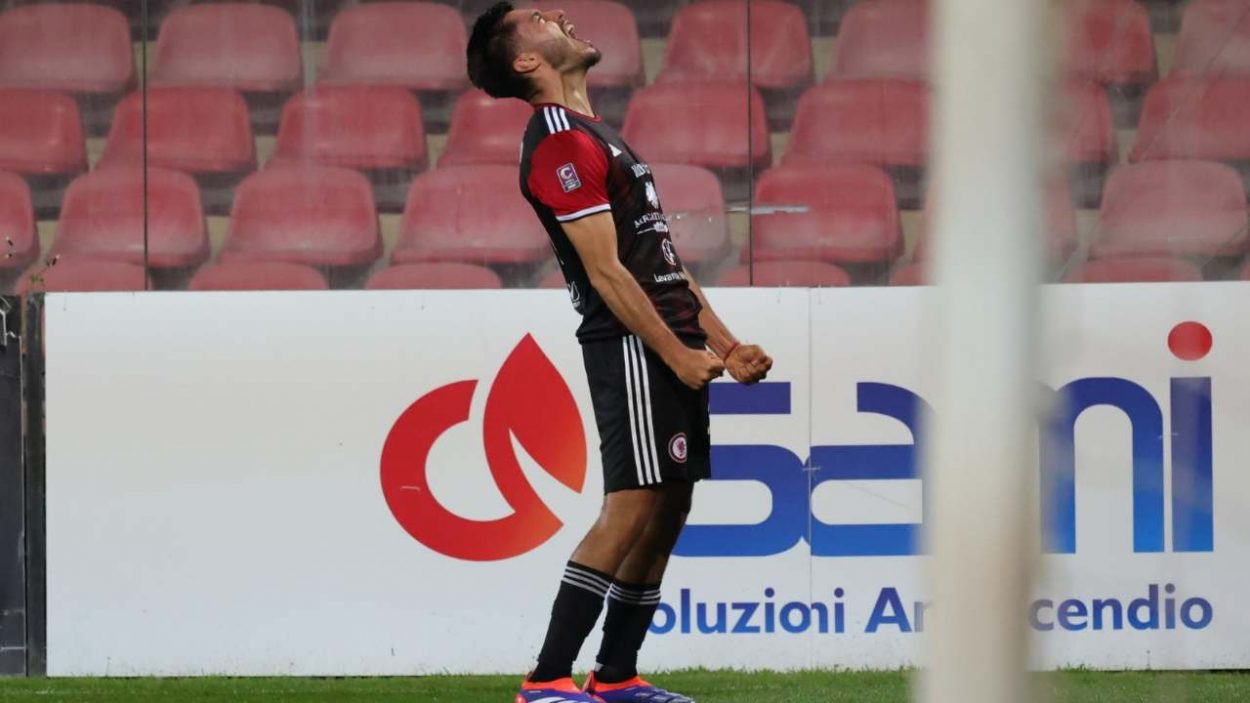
x=573, y=616
x=630, y=610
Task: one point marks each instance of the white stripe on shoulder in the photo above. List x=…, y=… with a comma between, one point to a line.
x=551, y=127
x=563, y=117
x=605, y=207
x=552, y=699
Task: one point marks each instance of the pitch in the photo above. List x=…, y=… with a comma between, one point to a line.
x=705, y=686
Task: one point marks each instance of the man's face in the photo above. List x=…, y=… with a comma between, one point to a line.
x=550, y=35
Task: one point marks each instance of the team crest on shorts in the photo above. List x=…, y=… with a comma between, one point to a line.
x=677, y=448
x=568, y=178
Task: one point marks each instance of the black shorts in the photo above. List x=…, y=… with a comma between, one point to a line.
x=652, y=427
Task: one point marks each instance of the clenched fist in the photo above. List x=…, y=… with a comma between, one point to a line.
x=747, y=363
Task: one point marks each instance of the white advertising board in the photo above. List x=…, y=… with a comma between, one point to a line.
x=376, y=483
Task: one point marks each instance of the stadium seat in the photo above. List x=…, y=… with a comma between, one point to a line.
x=866, y=121
x=614, y=30
x=851, y=215
x=1214, y=38
x=315, y=215
x=434, y=276
x=83, y=276
x=485, y=130
x=73, y=47
x=915, y=274
x=104, y=212
x=1109, y=42
x=1195, y=118
x=470, y=214
x=695, y=207
x=722, y=133
x=360, y=127
x=884, y=39
x=811, y=274
x=200, y=130
x=1134, y=270
x=709, y=42
x=416, y=45
x=1173, y=208
x=40, y=134
x=17, y=223
x=258, y=275
x=248, y=47
x=1088, y=131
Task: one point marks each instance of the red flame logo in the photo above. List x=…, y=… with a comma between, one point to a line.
x=528, y=400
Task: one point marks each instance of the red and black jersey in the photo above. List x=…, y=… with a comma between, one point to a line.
x=574, y=166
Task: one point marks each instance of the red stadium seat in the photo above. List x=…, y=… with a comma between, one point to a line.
x=916, y=274
x=258, y=275
x=416, y=45
x=72, y=47
x=17, y=223
x=435, y=276
x=851, y=215
x=884, y=39
x=248, y=47
x=103, y=218
x=1195, y=118
x=472, y=214
x=316, y=215
x=614, y=30
x=485, y=130
x=1134, y=270
x=709, y=42
x=1214, y=38
x=1088, y=130
x=866, y=121
x=361, y=127
x=1173, y=208
x=695, y=207
x=83, y=277
x=770, y=274
x=661, y=125
x=1109, y=42
x=40, y=133
x=198, y=130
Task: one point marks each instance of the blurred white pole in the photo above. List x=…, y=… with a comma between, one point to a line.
x=987, y=135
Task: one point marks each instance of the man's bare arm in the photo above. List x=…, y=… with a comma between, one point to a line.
x=746, y=363
x=594, y=237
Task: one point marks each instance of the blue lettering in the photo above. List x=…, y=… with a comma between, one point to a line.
x=741, y=627
x=1035, y=615
x=888, y=610
x=1205, y=613
x=1072, y=615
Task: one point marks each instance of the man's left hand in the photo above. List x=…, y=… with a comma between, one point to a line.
x=747, y=363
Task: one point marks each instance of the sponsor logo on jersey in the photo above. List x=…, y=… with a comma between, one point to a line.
x=640, y=170
x=615, y=152
x=652, y=196
x=568, y=178
x=670, y=256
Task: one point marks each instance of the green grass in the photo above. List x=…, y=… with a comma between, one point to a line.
x=707, y=687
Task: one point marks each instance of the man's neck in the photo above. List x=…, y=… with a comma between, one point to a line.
x=570, y=92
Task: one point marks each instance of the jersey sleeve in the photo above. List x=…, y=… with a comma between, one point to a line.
x=569, y=174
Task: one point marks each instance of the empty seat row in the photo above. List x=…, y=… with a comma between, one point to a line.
x=1115, y=270
x=420, y=45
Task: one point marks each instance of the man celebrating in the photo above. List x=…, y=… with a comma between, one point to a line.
x=650, y=341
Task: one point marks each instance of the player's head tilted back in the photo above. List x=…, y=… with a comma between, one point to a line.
x=522, y=52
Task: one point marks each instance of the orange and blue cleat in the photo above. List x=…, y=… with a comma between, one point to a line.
x=560, y=691
x=635, y=690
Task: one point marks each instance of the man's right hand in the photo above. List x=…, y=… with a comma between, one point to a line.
x=696, y=367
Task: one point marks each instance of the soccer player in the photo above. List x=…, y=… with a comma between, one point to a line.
x=650, y=341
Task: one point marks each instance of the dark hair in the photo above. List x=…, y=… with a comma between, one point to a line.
x=490, y=55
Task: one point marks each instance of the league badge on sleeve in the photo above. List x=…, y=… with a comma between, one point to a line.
x=568, y=178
